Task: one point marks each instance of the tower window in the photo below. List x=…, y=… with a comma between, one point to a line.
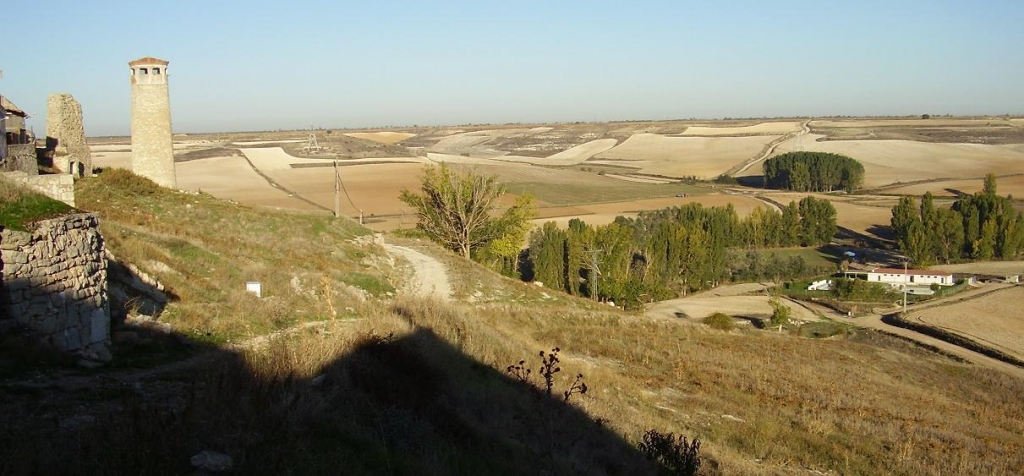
x=143, y=70
x=156, y=70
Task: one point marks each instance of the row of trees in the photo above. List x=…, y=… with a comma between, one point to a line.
x=813, y=172
x=663, y=253
x=982, y=226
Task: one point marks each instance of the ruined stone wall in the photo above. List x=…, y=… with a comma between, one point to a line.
x=152, y=151
x=54, y=284
x=57, y=187
x=64, y=124
x=21, y=158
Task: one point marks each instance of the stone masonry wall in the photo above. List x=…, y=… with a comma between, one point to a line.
x=21, y=158
x=55, y=284
x=57, y=187
x=152, y=144
x=64, y=123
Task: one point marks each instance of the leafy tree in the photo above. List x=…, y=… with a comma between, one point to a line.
x=781, y=313
x=949, y=234
x=547, y=253
x=456, y=210
x=817, y=221
x=502, y=253
x=813, y=172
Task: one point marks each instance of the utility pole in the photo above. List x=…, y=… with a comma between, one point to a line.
x=337, y=191
x=905, y=287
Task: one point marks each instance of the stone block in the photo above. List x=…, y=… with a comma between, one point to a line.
x=99, y=326
x=72, y=339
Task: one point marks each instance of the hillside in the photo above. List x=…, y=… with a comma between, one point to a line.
x=337, y=369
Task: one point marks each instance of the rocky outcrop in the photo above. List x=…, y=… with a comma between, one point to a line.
x=54, y=285
x=65, y=135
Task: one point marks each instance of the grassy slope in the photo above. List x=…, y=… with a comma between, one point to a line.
x=205, y=250
x=19, y=207
x=418, y=387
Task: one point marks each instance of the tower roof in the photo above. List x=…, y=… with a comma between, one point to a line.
x=148, y=60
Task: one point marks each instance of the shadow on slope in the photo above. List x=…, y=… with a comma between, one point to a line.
x=408, y=405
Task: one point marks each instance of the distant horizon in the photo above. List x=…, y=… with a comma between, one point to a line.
x=248, y=66
x=514, y=124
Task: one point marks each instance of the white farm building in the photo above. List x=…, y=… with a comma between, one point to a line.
x=898, y=277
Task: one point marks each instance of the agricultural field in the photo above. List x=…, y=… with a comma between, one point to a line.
x=599, y=171
x=994, y=320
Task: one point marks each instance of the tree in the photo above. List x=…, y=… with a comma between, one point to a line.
x=780, y=312
x=456, y=210
x=817, y=221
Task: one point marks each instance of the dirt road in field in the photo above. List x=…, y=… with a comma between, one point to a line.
x=874, y=321
x=804, y=129
x=427, y=276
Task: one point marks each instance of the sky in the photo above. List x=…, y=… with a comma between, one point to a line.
x=255, y=65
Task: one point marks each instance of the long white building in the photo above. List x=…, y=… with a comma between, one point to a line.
x=897, y=277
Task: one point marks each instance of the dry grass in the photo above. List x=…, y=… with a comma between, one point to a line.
x=419, y=386
x=205, y=250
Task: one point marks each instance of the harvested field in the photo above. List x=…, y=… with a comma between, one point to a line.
x=756, y=129
x=233, y=178
x=938, y=121
x=639, y=178
x=373, y=188
x=120, y=159
x=268, y=159
x=266, y=142
x=893, y=161
x=1005, y=268
x=993, y=320
x=702, y=157
x=382, y=137
x=605, y=213
x=1013, y=185
x=699, y=307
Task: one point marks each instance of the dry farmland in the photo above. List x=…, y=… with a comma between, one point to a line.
x=994, y=320
x=598, y=171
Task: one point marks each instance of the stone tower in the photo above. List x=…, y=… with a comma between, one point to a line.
x=152, y=151
x=66, y=136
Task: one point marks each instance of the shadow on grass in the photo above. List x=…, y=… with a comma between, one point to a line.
x=413, y=405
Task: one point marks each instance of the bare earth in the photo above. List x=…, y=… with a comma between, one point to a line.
x=382, y=137
x=892, y=161
x=700, y=306
x=427, y=276
x=702, y=157
x=995, y=320
x=758, y=129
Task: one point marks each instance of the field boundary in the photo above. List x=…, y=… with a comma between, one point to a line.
x=896, y=319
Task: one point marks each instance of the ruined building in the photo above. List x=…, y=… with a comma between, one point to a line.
x=65, y=136
x=152, y=151
x=17, y=148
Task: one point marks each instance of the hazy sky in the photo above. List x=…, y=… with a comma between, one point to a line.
x=255, y=65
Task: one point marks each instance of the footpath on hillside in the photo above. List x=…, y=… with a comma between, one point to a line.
x=427, y=276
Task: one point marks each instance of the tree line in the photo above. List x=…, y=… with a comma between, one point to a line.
x=982, y=226
x=813, y=172
x=664, y=253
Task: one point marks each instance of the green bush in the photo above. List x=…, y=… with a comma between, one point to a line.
x=720, y=321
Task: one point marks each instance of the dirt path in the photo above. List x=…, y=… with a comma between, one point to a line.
x=427, y=277
x=874, y=321
x=804, y=129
